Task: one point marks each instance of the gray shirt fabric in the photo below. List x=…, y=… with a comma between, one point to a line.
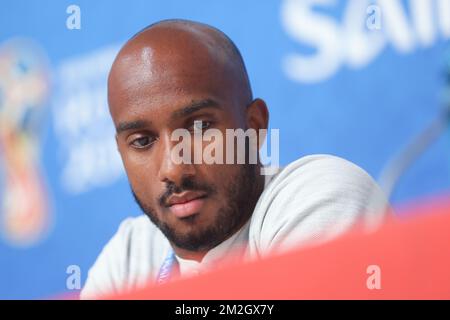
x=310, y=201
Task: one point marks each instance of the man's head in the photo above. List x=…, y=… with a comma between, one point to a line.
x=166, y=77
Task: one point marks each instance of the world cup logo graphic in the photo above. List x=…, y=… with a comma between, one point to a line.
x=24, y=91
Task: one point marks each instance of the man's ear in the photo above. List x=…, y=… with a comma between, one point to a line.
x=258, y=117
x=257, y=114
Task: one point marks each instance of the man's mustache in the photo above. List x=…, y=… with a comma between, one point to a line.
x=187, y=184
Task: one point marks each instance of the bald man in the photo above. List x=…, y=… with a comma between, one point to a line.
x=178, y=74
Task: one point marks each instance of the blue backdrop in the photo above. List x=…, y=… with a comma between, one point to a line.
x=339, y=77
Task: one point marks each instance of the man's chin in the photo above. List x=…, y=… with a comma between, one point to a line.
x=189, y=235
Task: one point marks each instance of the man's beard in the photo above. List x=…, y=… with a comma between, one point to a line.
x=241, y=197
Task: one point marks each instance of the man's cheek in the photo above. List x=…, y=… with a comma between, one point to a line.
x=142, y=187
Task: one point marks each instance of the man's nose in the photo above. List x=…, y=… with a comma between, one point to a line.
x=171, y=169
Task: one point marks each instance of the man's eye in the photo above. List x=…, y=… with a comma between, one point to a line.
x=142, y=142
x=201, y=125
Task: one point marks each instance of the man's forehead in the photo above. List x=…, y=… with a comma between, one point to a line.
x=174, y=62
x=133, y=121
x=151, y=66
x=144, y=85
x=164, y=93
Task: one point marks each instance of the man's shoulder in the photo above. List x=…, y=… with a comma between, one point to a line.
x=315, y=198
x=138, y=225
x=137, y=235
x=128, y=259
x=319, y=165
x=319, y=173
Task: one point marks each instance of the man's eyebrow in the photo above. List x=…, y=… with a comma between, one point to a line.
x=131, y=125
x=183, y=112
x=194, y=107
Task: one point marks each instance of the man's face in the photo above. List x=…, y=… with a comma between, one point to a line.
x=196, y=206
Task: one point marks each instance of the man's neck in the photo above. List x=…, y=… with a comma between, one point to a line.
x=189, y=255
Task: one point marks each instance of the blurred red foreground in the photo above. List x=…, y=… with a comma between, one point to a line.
x=413, y=254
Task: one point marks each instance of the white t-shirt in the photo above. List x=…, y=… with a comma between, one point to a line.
x=312, y=200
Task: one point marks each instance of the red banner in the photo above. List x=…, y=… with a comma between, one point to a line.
x=408, y=258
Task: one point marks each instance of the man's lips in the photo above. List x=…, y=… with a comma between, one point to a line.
x=186, y=204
